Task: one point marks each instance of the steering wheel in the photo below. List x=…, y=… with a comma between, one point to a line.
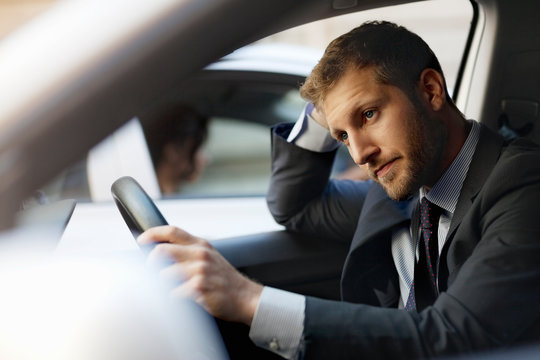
x=137, y=208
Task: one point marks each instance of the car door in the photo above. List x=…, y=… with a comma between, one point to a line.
x=249, y=100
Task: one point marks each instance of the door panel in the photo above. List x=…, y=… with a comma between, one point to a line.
x=285, y=260
x=289, y=261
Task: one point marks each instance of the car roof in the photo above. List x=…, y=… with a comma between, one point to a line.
x=273, y=58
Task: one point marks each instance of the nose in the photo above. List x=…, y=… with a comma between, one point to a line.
x=362, y=148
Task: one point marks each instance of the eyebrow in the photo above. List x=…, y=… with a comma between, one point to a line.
x=348, y=117
x=352, y=114
x=357, y=111
x=376, y=101
x=334, y=133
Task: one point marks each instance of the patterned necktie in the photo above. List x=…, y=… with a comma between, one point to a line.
x=424, y=287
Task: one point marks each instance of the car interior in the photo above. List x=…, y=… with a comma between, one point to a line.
x=52, y=123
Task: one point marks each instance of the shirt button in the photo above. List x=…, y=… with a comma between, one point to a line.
x=273, y=345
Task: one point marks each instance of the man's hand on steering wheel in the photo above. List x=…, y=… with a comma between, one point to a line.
x=200, y=272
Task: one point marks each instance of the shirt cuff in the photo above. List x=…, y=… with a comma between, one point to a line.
x=278, y=322
x=308, y=134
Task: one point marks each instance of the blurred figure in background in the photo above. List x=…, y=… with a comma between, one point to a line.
x=175, y=135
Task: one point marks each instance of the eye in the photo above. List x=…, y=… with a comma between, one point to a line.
x=369, y=114
x=343, y=137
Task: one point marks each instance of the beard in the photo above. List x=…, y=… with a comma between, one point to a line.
x=421, y=163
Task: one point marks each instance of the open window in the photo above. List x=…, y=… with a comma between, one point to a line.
x=256, y=87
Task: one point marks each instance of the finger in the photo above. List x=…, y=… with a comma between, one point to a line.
x=188, y=290
x=165, y=234
x=164, y=254
x=185, y=290
x=168, y=253
x=319, y=117
x=152, y=235
x=174, y=274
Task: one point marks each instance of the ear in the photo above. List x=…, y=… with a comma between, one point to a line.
x=432, y=88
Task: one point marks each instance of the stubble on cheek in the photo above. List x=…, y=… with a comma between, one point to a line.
x=426, y=140
x=407, y=173
x=397, y=183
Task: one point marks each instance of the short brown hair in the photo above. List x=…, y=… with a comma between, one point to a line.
x=175, y=123
x=397, y=55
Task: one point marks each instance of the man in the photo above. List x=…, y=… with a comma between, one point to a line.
x=444, y=251
x=175, y=136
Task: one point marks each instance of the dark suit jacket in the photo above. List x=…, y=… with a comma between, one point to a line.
x=489, y=267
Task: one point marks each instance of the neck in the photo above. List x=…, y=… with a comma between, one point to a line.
x=458, y=129
x=454, y=131
x=164, y=175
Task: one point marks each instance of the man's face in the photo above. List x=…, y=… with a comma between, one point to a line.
x=400, y=145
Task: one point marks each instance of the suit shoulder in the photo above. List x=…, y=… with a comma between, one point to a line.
x=522, y=154
x=518, y=165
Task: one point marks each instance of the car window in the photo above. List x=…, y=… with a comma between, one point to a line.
x=443, y=24
x=253, y=88
x=237, y=159
x=238, y=148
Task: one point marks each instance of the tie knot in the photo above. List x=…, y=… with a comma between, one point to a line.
x=429, y=213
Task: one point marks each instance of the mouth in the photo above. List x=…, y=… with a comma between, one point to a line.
x=384, y=169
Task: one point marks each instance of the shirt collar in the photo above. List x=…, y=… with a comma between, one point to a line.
x=445, y=193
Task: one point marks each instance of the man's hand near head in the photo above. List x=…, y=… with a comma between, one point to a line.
x=317, y=115
x=200, y=272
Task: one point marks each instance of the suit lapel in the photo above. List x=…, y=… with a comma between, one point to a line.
x=380, y=213
x=369, y=275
